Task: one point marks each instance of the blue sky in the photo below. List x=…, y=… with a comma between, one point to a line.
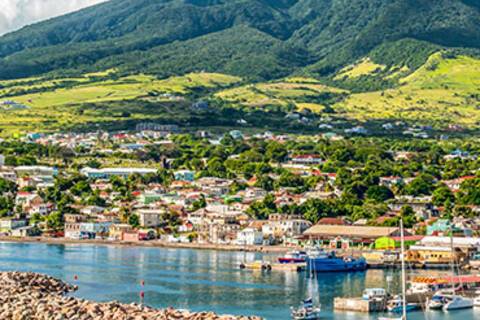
x=15, y=14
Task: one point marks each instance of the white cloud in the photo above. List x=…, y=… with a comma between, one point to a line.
x=15, y=14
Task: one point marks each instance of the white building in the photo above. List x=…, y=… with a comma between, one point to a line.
x=249, y=237
x=106, y=173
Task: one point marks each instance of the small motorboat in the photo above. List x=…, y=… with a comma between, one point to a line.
x=307, y=311
x=293, y=257
x=396, y=306
x=458, y=302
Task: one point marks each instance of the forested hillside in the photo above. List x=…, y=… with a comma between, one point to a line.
x=258, y=39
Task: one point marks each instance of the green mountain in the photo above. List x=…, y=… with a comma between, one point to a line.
x=257, y=39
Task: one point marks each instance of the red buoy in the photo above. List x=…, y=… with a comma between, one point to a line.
x=75, y=277
x=142, y=294
x=142, y=282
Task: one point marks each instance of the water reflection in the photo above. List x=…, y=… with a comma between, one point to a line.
x=197, y=280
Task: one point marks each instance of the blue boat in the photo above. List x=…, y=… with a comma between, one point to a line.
x=329, y=262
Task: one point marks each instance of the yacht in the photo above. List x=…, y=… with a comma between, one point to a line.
x=293, y=257
x=458, y=302
x=439, y=299
x=307, y=311
x=396, y=306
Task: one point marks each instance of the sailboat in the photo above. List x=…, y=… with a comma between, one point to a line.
x=308, y=310
x=403, y=304
x=448, y=300
x=456, y=302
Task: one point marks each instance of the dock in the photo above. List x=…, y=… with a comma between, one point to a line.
x=359, y=305
x=269, y=266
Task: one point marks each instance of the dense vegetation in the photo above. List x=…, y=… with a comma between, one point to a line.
x=261, y=39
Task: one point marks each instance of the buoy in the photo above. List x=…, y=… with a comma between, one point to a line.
x=142, y=294
x=75, y=277
x=142, y=283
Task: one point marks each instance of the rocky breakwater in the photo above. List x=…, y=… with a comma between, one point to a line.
x=32, y=296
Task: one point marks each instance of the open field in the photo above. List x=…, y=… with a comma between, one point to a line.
x=444, y=90
x=58, y=107
x=292, y=91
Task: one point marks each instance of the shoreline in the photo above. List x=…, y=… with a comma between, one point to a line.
x=150, y=244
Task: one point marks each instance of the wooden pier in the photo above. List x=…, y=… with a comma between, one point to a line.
x=269, y=266
x=359, y=305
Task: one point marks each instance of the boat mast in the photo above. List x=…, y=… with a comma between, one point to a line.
x=404, y=278
x=452, y=260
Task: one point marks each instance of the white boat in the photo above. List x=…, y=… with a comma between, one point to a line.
x=307, y=311
x=458, y=302
x=374, y=294
x=476, y=301
x=439, y=299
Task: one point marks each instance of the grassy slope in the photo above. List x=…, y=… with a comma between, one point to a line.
x=53, y=108
x=443, y=90
x=282, y=93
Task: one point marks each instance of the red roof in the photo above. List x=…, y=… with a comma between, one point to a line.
x=331, y=221
x=466, y=279
x=409, y=238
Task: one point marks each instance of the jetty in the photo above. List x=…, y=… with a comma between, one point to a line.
x=359, y=305
x=269, y=266
x=32, y=296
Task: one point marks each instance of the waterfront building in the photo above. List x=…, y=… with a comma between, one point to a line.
x=360, y=235
x=249, y=237
x=106, y=173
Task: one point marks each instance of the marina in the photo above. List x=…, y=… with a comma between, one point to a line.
x=201, y=280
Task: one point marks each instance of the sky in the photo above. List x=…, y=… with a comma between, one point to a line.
x=15, y=14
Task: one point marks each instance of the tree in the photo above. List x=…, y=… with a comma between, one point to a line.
x=408, y=216
x=442, y=195
x=421, y=185
x=55, y=220
x=276, y=152
x=199, y=204
x=134, y=220
x=379, y=193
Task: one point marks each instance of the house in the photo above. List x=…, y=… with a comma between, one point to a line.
x=150, y=218
x=92, y=210
x=27, y=231
x=106, y=173
x=422, y=206
x=332, y=221
x=184, y=175
x=282, y=226
x=87, y=230
x=236, y=134
x=306, y=159
x=390, y=181
x=8, y=225
x=455, y=184
x=147, y=198
x=117, y=231
x=35, y=171
x=249, y=237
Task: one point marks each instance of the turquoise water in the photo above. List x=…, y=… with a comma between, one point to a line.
x=194, y=279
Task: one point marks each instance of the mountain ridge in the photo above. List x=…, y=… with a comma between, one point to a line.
x=329, y=33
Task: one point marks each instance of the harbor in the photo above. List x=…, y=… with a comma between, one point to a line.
x=202, y=280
